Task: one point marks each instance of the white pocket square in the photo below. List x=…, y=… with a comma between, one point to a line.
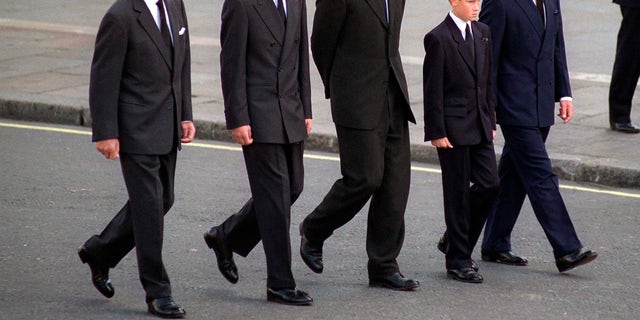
x=182, y=30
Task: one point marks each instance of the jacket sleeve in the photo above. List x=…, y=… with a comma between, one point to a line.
x=187, y=113
x=233, y=39
x=106, y=71
x=433, y=90
x=493, y=15
x=563, y=86
x=327, y=25
x=303, y=69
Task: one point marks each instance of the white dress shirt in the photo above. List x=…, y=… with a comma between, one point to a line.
x=461, y=25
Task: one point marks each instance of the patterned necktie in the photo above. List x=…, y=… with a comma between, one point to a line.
x=281, y=12
x=164, y=29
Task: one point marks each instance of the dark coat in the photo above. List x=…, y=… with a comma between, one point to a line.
x=530, y=61
x=136, y=93
x=265, y=70
x=357, y=79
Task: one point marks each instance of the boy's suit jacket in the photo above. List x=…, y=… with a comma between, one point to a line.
x=458, y=93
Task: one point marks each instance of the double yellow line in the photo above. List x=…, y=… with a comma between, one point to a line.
x=309, y=156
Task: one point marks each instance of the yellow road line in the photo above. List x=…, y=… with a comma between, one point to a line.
x=307, y=155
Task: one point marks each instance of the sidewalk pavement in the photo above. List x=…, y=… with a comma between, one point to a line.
x=46, y=56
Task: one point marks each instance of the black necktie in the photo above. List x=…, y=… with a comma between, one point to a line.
x=281, y=12
x=468, y=38
x=540, y=6
x=164, y=29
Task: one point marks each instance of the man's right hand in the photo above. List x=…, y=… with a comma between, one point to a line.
x=442, y=143
x=242, y=135
x=109, y=148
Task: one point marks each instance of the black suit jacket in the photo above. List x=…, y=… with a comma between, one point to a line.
x=134, y=87
x=356, y=51
x=265, y=69
x=458, y=92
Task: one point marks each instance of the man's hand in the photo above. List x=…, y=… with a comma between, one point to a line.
x=109, y=148
x=307, y=123
x=188, y=132
x=494, y=132
x=442, y=143
x=566, y=110
x=242, y=135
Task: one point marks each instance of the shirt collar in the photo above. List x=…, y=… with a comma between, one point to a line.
x=460, y=24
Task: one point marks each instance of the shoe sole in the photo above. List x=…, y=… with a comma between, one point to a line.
x=451, y=276
x=167, y=316
x=290, y=303
x=523, y=264
x=386, y=286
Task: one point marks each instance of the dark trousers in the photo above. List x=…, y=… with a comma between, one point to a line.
x=470, y=186
x=276, y=176
x=140, y=223
x=525, y=170
x=375, y=164
x=626, y=68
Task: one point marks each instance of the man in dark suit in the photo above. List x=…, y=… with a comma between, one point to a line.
x=626, y=68
x=459, y=116
x=267, y=97
x=355, y=47
x=140, y=100
x=531, y=74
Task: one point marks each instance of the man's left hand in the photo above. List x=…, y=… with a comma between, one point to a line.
x=188, y=132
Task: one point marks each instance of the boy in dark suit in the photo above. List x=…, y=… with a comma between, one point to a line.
x=267, y=98
x=459, y=111
x=140, y=100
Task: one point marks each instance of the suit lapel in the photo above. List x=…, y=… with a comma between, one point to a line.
x=175, y=18
x=149, y=25
x=463, y=48
x=378, y=7
x=293, y=24
x=530, y=10
x=269, y=14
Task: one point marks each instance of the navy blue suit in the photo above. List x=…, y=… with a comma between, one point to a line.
x=530, y=76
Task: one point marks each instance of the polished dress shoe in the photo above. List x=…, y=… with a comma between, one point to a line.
x=224, y=255
x=465, y=275
x=166, y=308
x=574, y=259
x=625, y=127
x=442, y=246
x=311, y=255
x=99, y=275
x=394, y=281
x=506, y=257
x=292, y=297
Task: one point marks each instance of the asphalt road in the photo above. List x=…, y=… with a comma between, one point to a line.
x=57, y=190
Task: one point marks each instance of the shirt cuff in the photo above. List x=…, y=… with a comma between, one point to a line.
x=566, y=99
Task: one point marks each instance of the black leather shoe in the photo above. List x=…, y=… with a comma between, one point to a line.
x=465, y=275
x=394, y=281
x=224, y=255
x=442, y=246
x=506, y=257
x=292, y=297
x=99, y=275
x=625, y=127
x=574, y=259
x=311, y=255
x=166, y=308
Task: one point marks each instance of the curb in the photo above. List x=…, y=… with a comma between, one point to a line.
x=567, y=169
